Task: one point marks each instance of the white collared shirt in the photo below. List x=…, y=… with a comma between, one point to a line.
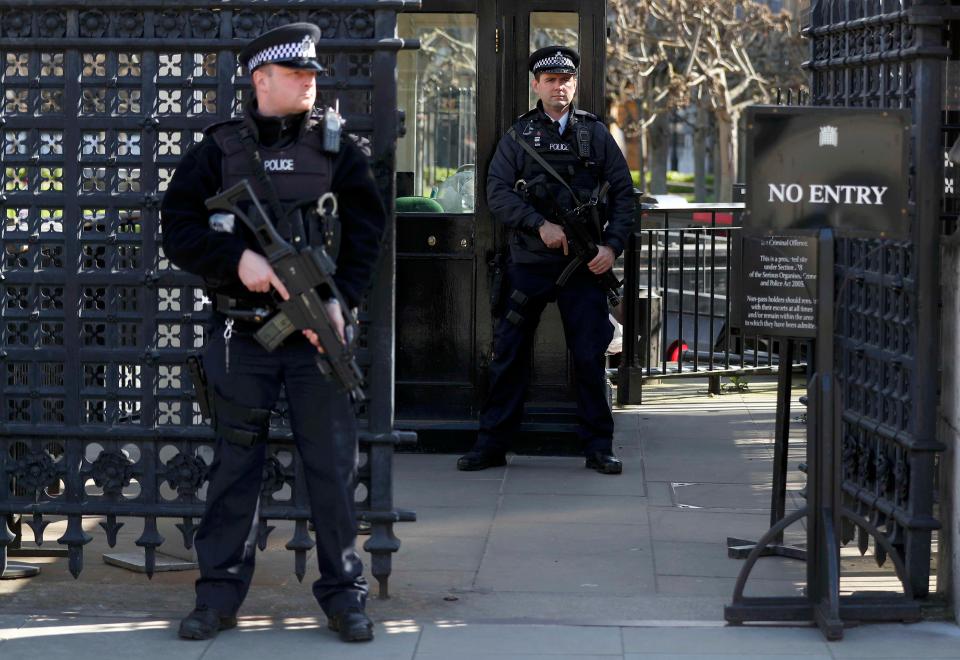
x=563, y=121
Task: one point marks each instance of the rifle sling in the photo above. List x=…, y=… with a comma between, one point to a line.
x=569, y=270
x=599, y=192
x=543, y=163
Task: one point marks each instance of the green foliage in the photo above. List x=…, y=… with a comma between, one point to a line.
x=738, y=383
x=678, y=183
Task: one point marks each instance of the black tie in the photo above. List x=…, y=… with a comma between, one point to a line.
x=559, y=128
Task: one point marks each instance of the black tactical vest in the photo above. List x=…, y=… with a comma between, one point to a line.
x=301, y=172
x=561, y=152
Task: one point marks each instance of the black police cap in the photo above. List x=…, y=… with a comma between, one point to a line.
x=554, y=59
x=293, y=45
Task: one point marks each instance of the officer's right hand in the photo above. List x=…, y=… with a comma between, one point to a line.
x=257, y=274
x=553, y=237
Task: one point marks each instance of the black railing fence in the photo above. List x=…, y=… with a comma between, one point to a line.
x=98, y=103
x=679, y=271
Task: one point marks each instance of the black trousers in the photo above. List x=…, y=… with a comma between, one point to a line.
x=324, y=427
x=588, y=332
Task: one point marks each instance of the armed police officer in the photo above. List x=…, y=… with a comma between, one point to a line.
x=290, y=157
x=555, y=159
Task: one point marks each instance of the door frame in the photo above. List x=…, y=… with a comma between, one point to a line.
x=502, y=95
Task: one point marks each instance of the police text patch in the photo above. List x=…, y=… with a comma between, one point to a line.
x=278, y=165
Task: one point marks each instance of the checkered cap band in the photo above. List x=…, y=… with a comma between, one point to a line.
x=557, y=61
x=301, y=50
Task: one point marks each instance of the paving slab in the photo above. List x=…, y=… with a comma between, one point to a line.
x=578, y=559
x=309, y=639
x=717, y=436
x=684, y=558
x=567, y=476
x=564, y=608
x=415, y=466
x=711, y=431
x=918, y=640
x=449, y=521
x=439, y=581
x=460, y=655
x=759, y=641
x=448, y=490
x=628, y=452
x=627, y=437
x=572, y=509
x=9, y=623
x=434, y=553
x=62, y=638
x=708, y=466
x=702, y=655
x=745, y=497
x=686, y=585
x=660, y=494
x=506, y=640
x=626, y=419
x=706, y=526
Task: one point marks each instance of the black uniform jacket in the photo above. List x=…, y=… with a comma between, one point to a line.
x=509, y=207
x=192, y=245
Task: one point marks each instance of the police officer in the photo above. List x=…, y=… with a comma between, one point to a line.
x=279, y=124
x=525, y=195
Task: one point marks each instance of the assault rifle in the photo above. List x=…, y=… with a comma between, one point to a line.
x=576, y=225
x=301, y=272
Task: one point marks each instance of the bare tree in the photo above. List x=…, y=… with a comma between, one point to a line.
x=722, y=54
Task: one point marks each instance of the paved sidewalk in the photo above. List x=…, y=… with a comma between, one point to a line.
x=541, y=558
x=259, y=638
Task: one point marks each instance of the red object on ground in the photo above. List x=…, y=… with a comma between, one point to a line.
x=674, y=350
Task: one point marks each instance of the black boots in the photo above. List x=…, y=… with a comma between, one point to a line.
x=480, y=460
x=352, y=624
x=603, y=463
x=205, y=623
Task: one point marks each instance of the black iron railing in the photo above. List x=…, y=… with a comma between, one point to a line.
x=679, y=270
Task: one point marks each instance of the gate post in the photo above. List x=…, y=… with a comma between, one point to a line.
x=925, y=235
x=948, y=569
x=630, y=373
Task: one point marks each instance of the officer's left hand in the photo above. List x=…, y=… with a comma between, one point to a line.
x=336, y=317
x=603, y=262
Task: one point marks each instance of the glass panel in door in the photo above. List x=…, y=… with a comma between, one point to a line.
x=437, y=87
x=553, y=28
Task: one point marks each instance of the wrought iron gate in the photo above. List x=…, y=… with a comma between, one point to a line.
x=877, y=54
x=100, y=101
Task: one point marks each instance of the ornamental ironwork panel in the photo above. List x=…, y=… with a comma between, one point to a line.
x=99, y=103
x=873, y=394
x=886, y=54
